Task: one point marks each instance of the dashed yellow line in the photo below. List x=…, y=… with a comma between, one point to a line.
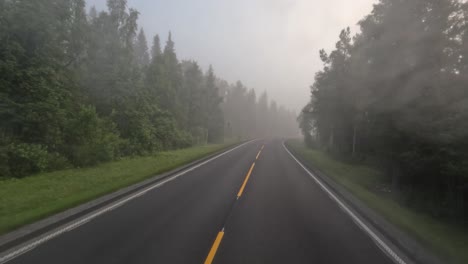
x=219, y=237
x=258, y=155
x=245, y=181
x=214, y=248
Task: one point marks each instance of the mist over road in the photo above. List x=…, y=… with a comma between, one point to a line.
x=254, y=204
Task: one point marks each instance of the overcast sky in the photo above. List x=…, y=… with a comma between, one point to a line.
x=269, y=45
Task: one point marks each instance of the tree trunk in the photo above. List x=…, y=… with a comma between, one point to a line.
x=396, y=175
x=354, y=140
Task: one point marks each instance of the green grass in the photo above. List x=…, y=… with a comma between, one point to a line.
x=23, y=201
x=446, y=240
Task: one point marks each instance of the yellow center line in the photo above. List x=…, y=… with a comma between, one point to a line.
x=245, y=181
x=219, y=237
x=258, y=155
x=214, y=248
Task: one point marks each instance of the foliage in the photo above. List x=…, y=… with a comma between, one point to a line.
x=247, y=117
x=78, y=89
x=25, y=159
x=90, y=139
x=397, y=92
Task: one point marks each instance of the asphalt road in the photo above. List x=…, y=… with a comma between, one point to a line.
x=281, y=216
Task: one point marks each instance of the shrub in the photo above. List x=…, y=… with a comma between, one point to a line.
x=182, y=139
x=4, y=168
x=91, y=139
x=24, y=159
x=56, y=161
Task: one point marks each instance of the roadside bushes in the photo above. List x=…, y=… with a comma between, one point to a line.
x=91, y=139
x=21, y=159
x=88, y=140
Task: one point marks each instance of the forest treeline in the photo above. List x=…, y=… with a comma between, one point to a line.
x=78, y=88
x=396, y=95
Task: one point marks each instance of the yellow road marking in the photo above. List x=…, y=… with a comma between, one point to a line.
x=214, y=248
x=246, y=180
x=258, y=154
x=219, y=237
x=262, y=147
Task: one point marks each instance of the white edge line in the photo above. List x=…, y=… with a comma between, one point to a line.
x=380, y=243
x=31, y=244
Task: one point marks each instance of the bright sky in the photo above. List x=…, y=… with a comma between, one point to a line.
x=269, y=45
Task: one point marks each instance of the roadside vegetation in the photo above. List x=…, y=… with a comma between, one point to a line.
x=388, y=118
x=79, y=87
x=23, y=201
x=394, y=96
x=370, y=185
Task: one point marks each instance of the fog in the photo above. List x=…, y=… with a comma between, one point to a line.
x=268, y=45
x=373, y=93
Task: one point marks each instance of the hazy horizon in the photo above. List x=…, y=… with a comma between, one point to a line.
x=268, y=45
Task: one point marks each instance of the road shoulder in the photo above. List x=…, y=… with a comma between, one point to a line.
x=406, y=244
x=23, y=234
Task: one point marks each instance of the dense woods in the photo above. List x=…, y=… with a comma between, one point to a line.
x=78, y=88
x=395, y=95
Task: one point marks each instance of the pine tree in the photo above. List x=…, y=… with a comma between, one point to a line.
x=214, y=117
x=169, y=99
x=141, y=50
x=156, y=48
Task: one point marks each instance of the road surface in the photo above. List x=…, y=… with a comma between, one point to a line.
x=228, y=210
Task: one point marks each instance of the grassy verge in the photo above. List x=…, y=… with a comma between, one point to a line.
x=446, y=240
x=23, y=201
